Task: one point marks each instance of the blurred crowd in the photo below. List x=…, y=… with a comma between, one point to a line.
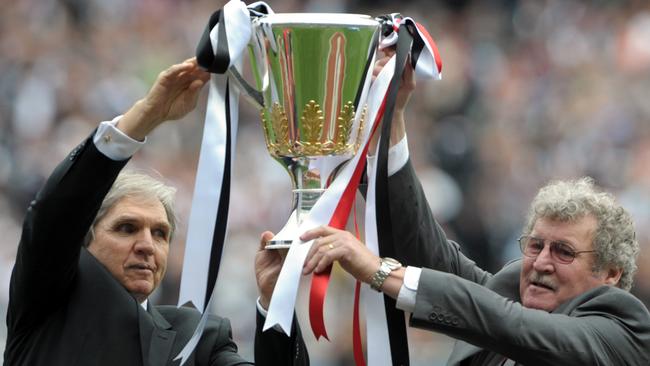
x=532, y=91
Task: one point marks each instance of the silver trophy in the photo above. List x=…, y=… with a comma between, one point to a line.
x=310, y=70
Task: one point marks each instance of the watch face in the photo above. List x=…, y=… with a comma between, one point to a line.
x=392, y=263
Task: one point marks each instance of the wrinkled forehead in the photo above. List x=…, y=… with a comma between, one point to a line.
x=579, y=231
x=145, y=206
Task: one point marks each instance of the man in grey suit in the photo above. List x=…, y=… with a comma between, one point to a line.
x=565, y=302
x=94, y=247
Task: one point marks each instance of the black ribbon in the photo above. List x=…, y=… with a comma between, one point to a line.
x=394, y=317
x=221, y=224
x=219, y=61
x=369, y=60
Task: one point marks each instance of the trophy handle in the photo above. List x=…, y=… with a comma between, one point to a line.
x=251, y=94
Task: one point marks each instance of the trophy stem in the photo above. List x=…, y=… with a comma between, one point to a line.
x=304, y=200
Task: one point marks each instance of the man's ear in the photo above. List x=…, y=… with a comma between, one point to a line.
x=90, y=236
x=612, y=276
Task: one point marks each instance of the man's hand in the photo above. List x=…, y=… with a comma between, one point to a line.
x=408, y=79
x=339, y=245
x=173, y=95
x=355, y=258
x=268, y=264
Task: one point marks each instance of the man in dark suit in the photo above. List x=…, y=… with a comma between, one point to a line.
x=565, y=302
x=94, y=247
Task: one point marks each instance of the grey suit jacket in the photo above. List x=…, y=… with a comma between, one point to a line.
x=604, y=326
x=65, y=308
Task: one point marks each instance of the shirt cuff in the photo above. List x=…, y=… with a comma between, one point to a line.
x=260, y=308
x=114, y=143
x=263, y=312
x=398, y=155
x=408, y=291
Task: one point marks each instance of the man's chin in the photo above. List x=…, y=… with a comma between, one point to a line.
x=539, y=302
x=140, y=289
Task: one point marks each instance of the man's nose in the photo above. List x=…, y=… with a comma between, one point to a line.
x=144, y=243
x=544, y=261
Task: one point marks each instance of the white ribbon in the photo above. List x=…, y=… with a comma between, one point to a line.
x=185, y=353
x=210, y=172
x=377, y=339
x=205, y=201
x=207, y=189
x=429, y=64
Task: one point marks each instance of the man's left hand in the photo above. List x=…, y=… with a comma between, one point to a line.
x=339, y=245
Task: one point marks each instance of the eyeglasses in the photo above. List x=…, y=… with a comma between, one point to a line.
x=560, y=251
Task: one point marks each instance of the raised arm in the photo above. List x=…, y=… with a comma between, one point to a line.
x=58, y=219
x=419, y=239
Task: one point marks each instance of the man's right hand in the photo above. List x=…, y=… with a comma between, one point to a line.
x=173, y=95
x=268, y=264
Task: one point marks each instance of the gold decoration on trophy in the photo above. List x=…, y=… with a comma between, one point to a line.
x=311, y=141
x=312, y=128
x=267, y=138
x=362, y=124
x=278, y=144
x=344, y=127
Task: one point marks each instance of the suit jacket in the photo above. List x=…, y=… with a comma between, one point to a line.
x=603, y=326
x=65, y=308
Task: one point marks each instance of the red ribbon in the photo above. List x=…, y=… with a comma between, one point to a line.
x=320, y=281
x=432, y=44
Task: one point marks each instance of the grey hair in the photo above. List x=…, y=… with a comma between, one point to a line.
x=614, y=240
x=130, y=183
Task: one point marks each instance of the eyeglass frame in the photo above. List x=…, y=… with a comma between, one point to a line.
x=552, y=244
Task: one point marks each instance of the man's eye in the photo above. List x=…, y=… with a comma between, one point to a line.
x=126, y=228
x=160, y=233
x=564, y=250
x=536, y=245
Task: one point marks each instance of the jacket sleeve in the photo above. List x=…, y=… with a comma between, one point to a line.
x=53, y=230
x=419, y=239
x=607, y=326
x=275, y=348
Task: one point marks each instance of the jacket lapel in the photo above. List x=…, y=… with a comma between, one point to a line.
x=156, y=337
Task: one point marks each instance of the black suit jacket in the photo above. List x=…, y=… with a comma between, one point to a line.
x=65, y=308
x=603, y=326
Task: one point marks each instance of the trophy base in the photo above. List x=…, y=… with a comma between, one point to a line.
x=305, y=200
x=278, y=244
x=284, y=238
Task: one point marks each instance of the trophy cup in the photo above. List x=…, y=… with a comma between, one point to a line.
x=310, y=71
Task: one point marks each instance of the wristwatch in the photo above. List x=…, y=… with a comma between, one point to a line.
x=386, y=266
